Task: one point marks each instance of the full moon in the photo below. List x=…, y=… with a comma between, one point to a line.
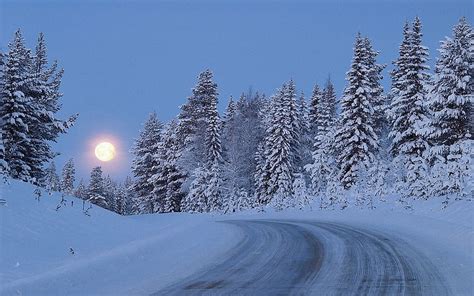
x=105, y=151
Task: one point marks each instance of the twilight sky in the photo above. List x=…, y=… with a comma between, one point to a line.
x=124, y=59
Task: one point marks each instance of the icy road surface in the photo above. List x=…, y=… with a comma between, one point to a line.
x=304, y=257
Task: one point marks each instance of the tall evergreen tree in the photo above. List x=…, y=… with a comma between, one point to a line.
x=322, y=165
x=329, y=95
x=281, y=147
x=168, y=179
x=51, y=179
x=96, y=192
x=451, y=99
x=196, y=199
x=193, y=125
x=408, y=113
x=356, y=140
x=377, y=97
x=29, y=97
x=145, y=163
x=131, y=205
x=213, y=137
x=68, y=177
x=110, y=191
x=305, y=136
x=15, y=110
x=81, y=191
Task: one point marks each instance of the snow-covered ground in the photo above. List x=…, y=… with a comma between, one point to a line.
x=116, y=255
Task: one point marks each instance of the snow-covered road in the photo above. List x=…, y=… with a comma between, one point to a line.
x=303, y=257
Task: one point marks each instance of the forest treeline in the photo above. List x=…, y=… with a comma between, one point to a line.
x=413, y=141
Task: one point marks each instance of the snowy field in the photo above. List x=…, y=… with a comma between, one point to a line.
x=140, y=255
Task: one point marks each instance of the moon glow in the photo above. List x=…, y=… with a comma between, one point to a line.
x=105, y=151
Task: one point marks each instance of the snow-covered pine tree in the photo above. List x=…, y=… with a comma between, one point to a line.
x=50, y=178
x=193, y=122
x=281, y=147
x=15, y=110
x=322, y=165
x=408, y=114
x=96, y=192
x=305, y=137
x=241, y=136
x=81, y=191
x=43, y=89
x=195, y=200
x=168, y=179
x=356, y=140
x=110, y=190
x=213, y=138
x=214, y=193
x=451, y=126
x=230, y=149
x=145, y=165
x=68, y=177
x=121, y=199
x=301, y=194
x=329, y=95
x=377, y=97
x=29, y=99
x=131, y=205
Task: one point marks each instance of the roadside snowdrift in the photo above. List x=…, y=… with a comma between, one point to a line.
x=112, y=254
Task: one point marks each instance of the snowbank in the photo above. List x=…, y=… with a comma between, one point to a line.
x=113, y=255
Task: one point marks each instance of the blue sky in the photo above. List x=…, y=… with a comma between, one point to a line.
x=124, y=59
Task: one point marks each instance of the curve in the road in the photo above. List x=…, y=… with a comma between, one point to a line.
x=314, y=258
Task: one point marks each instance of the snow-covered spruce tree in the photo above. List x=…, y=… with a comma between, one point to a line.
x=51, y=179
x=213, y=138
x=195, y=200
x=29, y=97
x=68, y=177
x=329, y=95
x=131, y=204
x=122, y=200
x=193, y=122
x=230, y=147
x=214, y=193
x=451, y=127
x=281, y=147
x=96, y=192
x=242, y=133
x=168, y=179
x=305, y=137
x=81, y=190
x=322, y=165
x=408, y=114
x=377, y=97
x=110, y=190
x=144, y=164
x=301, y=194
x=356, y=140
x=15, y=110
x=45, y=94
